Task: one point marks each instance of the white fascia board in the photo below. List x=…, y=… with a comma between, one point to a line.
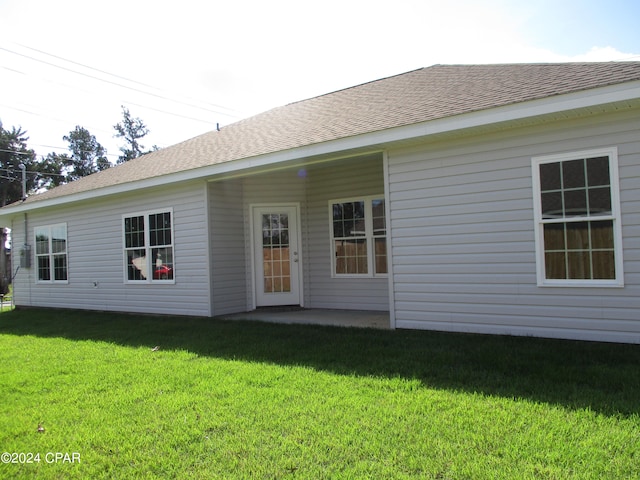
x=518, y=111
x=549, y=105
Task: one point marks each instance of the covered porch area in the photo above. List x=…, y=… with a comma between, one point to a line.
x=304, y=244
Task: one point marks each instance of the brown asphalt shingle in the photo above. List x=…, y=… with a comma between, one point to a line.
x=418, y=96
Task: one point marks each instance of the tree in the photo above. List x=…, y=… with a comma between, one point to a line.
x=50, y=171
x=87, y=155
x=13, y=153
x=131, y=130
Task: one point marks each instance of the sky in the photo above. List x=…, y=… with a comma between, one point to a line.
x=184, y=67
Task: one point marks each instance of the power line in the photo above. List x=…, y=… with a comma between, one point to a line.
x=12, y=70
x=31, y=172
x=16, y=152
x=162, y=97
x=55, y=119
x=170, y=113
x=63, y=121
x=116, y=80
x=173, y=114
x=132, y=81
x=83, y=65
x=50, y=146
x=67, y=148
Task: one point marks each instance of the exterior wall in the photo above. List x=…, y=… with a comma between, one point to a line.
x=463, y=235
x=96, y=256
x=348, y=178
x=228, y=261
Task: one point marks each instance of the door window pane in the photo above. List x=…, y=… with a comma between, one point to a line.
x=275, y=253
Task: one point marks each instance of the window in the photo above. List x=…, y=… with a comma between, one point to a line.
x=51, y=253
x=358, y=237
x=578, y=238
x=148, y=247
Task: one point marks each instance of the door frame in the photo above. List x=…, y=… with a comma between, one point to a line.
x=253, y=208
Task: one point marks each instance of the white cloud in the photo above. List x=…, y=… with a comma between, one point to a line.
x=603, y=54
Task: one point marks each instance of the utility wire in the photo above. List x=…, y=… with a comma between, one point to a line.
x=55, y=119
x=198, y=106
x=128, y=79
x=16, y=152
x=110, y=81
x=50, y=146
x=173, y=114
x=83, y=65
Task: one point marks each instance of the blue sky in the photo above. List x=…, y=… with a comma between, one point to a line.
x=184, y=66
x=567, y=26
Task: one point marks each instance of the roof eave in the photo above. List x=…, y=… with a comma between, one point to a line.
x=602, y=96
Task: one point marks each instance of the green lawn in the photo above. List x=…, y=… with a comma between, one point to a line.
x=252, y=400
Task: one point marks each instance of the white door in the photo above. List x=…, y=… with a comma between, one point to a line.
x=276, y=255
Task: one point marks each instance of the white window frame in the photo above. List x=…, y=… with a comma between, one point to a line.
x=51, y=254
x=369, y=236
x=148, y=247
x=612, y=153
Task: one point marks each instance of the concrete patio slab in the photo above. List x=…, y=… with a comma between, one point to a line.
x=314, y=316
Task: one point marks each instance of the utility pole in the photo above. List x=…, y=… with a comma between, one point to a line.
x=5, y=274
x=24, y=181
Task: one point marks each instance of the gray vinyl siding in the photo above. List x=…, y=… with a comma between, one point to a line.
x=351, y=178
x=228, y=257
x=96, y=257
x=463, y=236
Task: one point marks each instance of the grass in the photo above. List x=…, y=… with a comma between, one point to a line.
x=251, y=400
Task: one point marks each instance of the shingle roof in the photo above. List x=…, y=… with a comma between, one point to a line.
x=418, y=96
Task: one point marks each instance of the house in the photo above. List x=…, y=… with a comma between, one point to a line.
x=500, y=199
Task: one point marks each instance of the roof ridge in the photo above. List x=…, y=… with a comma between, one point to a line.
x=456, y=65
x=355, y=86
x=517, y=64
